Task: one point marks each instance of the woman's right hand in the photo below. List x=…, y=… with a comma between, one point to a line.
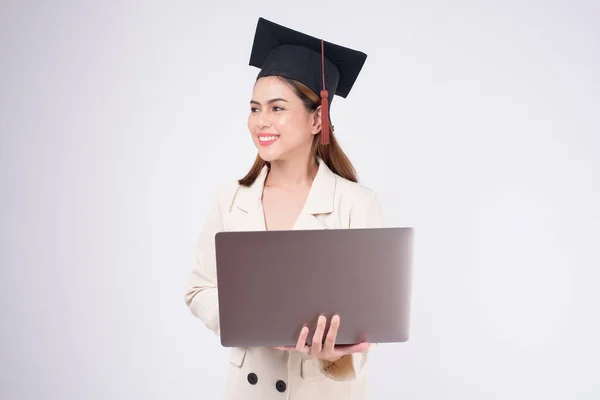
x=328, y=351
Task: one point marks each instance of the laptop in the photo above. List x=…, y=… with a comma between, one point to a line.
x=272, y=283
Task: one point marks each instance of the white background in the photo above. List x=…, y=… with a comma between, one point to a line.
x=477, y=122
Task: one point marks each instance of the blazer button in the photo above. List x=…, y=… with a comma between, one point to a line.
x=280, y=386
x=252, y=378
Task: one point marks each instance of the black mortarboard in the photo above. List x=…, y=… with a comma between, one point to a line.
x=322, y=66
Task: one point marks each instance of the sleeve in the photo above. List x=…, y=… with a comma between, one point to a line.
x=366, y=213
x=201, y=294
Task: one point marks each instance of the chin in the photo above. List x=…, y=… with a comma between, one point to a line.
x=269, y=153
x=268, y=156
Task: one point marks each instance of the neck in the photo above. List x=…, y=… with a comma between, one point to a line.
x=292, y=173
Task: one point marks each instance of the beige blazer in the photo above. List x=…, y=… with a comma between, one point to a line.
x=266, y=373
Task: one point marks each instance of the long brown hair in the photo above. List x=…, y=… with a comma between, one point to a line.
x=332, y=154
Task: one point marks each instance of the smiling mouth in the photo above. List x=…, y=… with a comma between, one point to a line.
x=268, y=138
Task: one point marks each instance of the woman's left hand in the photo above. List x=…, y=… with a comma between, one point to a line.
x=329, y=351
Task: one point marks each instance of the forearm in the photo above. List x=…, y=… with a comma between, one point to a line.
x=203, y=303
x=348, y=367
x=201, y=295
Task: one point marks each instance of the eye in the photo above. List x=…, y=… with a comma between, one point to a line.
x=253, y=109
x=277, y=108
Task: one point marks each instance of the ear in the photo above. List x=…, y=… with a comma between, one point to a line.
x=316, y=121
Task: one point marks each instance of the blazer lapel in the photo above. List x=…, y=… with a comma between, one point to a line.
x=320, y=200
x=248, y=213
x=247, y=206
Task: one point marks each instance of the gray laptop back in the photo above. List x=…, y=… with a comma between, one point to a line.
x=272, y=283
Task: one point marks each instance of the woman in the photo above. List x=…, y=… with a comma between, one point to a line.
x=301, y=179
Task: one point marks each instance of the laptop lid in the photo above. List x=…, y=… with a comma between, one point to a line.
x=272, y=283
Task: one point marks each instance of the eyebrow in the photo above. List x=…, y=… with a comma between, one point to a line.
x=270, y=101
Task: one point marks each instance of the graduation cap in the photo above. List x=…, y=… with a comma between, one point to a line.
x=324, y=67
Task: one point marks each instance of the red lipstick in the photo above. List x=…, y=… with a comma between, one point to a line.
x=267, y=139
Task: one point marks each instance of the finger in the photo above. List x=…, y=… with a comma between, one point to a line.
x=354, y=348
x=301, y=343
x=332, y=334
x=317, y=342
x=284, y=348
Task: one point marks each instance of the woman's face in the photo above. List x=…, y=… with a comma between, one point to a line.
x=281, y=126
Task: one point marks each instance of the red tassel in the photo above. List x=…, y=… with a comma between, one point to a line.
x=324, y=117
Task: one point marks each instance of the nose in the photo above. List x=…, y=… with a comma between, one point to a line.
x=264, y=121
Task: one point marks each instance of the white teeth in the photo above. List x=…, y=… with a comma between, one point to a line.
x=266, y=138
